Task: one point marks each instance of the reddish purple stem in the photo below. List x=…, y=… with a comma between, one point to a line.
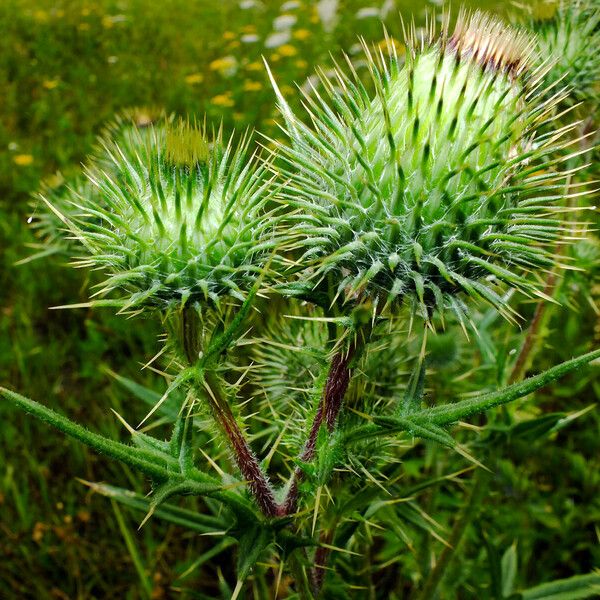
x=244, y=457
x=336, y=386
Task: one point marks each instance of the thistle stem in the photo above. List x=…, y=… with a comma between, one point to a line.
x=246, y=461
x=321, y=557
x=328, y=411
x=533, y=332
x=244, y=458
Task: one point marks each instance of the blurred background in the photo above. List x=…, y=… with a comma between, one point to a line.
x=66, y=69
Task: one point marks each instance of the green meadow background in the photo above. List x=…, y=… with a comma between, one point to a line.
x=66, y=68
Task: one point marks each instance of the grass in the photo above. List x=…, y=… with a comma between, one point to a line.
x=65, y=69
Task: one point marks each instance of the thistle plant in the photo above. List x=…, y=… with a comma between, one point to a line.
x=281, y=282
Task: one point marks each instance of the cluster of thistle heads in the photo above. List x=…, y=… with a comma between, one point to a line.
x=436, y=179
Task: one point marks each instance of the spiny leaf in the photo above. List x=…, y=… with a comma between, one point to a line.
x=190, y=519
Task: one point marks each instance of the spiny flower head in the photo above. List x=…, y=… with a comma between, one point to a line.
x=122, y=132
x=571, y=38
x=432, y=185
x=182, y=219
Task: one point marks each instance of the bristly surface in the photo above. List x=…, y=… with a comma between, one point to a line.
x=571, y=38
x=432, y=186
x=122, y=134
x=178, y=217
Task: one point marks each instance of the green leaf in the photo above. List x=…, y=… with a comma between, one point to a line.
x=413, y=395
x=424, y=430
x=253, y=542
x=159, y=466
x=451, y=413
x=151, y=463
x=533, y=429
x=132, y=547
x=573, y=588
x=192, y=520
x=509, y=570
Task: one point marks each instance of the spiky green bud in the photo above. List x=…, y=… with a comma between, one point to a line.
x=179, y=217
x=433, y=184
x=570, y=39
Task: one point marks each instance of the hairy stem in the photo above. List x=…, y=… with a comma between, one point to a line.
x=244, y=458
x=321, y=557
x=336, y=385
x=188, y=335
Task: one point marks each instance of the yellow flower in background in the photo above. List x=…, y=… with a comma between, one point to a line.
x=107, y=22
x=234, y=44
x=229, y=35
x=287, y=50
x=50, y=84
x=219, y=63
x=194, y=78
x=287, y=90
x=275, y=57
x=40, y=15
x=226, y=66
x=252, y=86
x=302, y=34
x=249, y=28
x=224, y=100
x=301, y=64
x=23, y=160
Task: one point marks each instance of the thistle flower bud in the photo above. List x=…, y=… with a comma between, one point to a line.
x=571, y=38
x=178, y=217
x=432, y=185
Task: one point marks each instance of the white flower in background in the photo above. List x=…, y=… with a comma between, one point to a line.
x=327, y=10
x=277, y=39
x=284, y=22
x=367, y=12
